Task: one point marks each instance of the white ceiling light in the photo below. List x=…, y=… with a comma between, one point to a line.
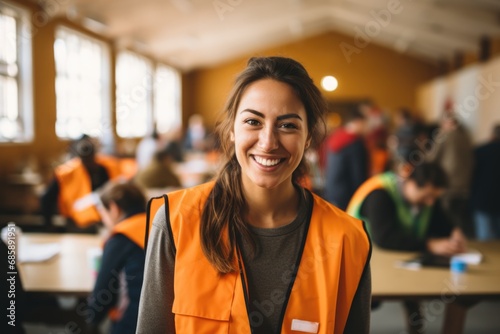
x=329, y=83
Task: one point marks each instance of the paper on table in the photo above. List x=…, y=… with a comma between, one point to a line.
x=38, y=252
x=472, y=256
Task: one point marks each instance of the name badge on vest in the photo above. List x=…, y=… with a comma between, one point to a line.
x=305, y=326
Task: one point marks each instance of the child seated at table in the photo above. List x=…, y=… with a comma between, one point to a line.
x=118, y=286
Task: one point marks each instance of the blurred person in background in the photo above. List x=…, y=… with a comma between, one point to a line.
x=407, y=129
x=347, y=160
x=485, y=196
x=401, y=212
x=120, y=276
x=453, y=151
x=159, y=173
x=196, y=134
x=147, y=148
x=376, y=141
x=70, y=193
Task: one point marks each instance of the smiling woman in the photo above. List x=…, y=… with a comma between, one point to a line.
x=253, y=251
x=270, y=136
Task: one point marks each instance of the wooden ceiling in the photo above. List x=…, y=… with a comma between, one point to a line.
x=191, y=34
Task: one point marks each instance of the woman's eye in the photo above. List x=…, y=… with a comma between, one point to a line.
x=252, y=122
x=288, y=126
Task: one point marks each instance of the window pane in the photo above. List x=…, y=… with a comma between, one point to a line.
x=133, y=95
x=80, y=85
x=167, y=107
x=9, y=126
x=16, y=113
x=8, y=39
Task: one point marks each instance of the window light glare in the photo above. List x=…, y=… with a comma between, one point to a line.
x=329, y=83
x=8, y=129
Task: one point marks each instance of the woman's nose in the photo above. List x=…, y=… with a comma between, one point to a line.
x=268, y=139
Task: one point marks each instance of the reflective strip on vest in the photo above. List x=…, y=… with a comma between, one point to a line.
x=416, y=225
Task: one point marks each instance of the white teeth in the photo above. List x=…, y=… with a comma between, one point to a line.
x=267, y=162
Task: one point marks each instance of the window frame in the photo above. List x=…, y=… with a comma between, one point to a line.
x=24, y=76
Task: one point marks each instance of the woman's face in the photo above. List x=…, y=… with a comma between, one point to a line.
x=270, y=133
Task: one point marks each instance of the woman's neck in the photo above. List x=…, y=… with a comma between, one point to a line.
x=271, y=208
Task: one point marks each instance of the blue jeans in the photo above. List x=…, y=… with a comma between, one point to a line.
x=487, y=225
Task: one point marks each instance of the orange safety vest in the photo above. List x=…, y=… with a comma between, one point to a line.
x=128, y=167
x=74, y=183
x=133, y=228
x=336, y=251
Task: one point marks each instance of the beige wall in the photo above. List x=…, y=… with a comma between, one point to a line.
x=388, y=78
x=475, y=92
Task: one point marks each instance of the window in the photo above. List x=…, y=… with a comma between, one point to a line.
x=133, y=95
x=16, y=106
x=167, y=99
x=145, y=97
x=82, y=85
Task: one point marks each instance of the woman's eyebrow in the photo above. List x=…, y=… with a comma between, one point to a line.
x=279, y=118
x=282, y=117
x=255, y=112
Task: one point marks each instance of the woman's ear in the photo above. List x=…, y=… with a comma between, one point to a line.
x=308, y=142
x=231, y=136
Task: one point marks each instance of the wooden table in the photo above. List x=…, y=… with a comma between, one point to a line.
x=68, y=273
x=452, y=293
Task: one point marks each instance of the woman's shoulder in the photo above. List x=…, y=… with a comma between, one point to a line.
x=201, y=190
x=332, y=216
x=328, y=208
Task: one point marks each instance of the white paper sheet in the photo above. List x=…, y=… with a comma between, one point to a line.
x=38, y=252
x=472, y=256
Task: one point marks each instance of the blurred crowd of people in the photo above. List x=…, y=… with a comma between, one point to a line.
x=418, y=187
x=73, y=192
x=367, y=143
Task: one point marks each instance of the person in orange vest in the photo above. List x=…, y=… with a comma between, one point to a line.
x=252, y=251
x=70, y=192
x=401, y=213
x=118, y=286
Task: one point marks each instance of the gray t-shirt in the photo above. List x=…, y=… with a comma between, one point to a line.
x=269, y=280
x=268, y=275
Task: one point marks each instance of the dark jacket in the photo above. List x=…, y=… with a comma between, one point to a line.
x=122, y=266
x=486, y=178
x=385, y=226
x=346, y=167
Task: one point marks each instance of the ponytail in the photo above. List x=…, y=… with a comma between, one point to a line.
x=222, y=219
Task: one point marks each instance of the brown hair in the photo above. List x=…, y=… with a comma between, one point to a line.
x=127, y=196
x=226, y=204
